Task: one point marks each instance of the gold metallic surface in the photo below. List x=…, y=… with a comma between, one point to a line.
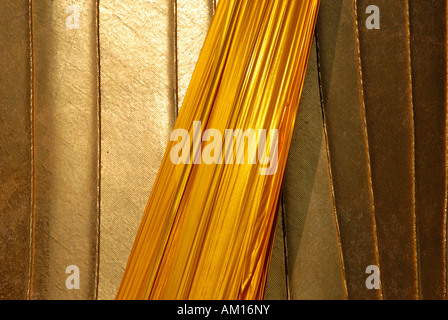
x=343, y=103
x=314, y=262
x=138, y=110
x=429, y=60
x=65, y=150
x=166, y=268
x=390, y=126
x=15, y=153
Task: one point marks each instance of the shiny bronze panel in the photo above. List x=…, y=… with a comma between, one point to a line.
x=65, y=149
x=428, y=52
x=385, y=60
x=313, y=255
x=343, y=104
x=15, y=149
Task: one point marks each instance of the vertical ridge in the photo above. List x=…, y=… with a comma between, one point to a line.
x=446, y=160
x=32, y=214
x=99, y=149
x=415, y=226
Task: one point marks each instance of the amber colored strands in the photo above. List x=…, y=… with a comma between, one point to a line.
x=207, y=231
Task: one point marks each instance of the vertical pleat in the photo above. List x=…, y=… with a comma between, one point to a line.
x=428, y=53
x=314, y=261
x=15, y=149
x=65, y=150
x=385, y=61
x=343, y=103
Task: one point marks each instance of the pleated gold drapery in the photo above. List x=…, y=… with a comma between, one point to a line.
x=106, y=96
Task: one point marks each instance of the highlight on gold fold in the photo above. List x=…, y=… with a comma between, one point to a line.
x=208, y=228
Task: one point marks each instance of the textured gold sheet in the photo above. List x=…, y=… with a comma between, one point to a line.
x=56, y=143
x=137, y=115
x=390, y=126
x=343, y=103
x=428, y=52
x=65, y=102
x=15, y=152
